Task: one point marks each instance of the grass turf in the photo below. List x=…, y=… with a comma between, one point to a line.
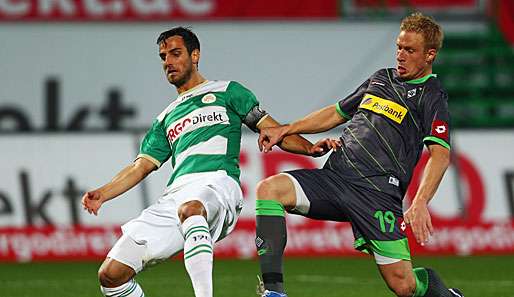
x=484, y=276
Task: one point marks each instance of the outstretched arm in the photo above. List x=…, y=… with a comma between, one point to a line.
x=417, y=215
x=122, y=182
x=297, y=144
x=316, y=122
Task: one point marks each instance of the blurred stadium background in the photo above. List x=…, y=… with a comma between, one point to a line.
x=80, y=81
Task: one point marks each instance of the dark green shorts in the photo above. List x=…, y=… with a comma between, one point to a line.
x=376, y=217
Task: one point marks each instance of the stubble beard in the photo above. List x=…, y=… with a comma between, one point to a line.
x=184, y=79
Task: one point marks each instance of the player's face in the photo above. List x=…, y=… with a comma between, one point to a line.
x=412, y=59
x=176, y=61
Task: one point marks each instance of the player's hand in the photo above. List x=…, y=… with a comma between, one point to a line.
x=92, y=201
x=268, y=137
x=419, y=218
x=323, y=146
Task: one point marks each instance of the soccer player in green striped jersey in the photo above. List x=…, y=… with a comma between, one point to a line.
x=200, y=133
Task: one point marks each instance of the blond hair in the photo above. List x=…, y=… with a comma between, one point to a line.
x=426, y=26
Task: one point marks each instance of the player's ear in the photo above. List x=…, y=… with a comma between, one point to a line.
x=430, y=55
x=195, y=56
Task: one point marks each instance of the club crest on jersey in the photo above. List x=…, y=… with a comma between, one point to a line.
x=209, y=98
x=411, y=93
x=388, y=108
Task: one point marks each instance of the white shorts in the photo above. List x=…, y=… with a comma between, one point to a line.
x=158, y=227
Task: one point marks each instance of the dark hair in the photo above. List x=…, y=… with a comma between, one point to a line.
x=190, y=39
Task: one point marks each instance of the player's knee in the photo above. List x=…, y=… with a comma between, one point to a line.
x=402, y=286
x=275, y=188
x=265, y=190
x=191, y=208
x=111, y=275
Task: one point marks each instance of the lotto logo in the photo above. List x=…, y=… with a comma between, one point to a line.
x=403, y=226
x=440, y=129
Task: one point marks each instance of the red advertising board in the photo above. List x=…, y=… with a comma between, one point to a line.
x=452, y=7
x=415, y=3
x=311, y=238
x=163, y=10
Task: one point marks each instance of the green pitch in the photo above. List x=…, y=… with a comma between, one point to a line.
x=328, y=277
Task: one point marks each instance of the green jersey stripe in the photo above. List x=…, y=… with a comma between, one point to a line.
x=204, y=163
x=216, y=145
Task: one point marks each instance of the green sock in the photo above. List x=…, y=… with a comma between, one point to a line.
x=428, y=284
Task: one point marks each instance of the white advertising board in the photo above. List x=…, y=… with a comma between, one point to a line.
x=43, y=177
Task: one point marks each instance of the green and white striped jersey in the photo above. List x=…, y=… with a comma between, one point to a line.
x=201, y=130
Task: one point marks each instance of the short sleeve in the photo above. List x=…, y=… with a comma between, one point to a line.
x=347, y=107
x=241, y=100
x=155, y=146
x=436, y=119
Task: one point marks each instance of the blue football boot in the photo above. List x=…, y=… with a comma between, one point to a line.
x=273, y=294
x=262, y=292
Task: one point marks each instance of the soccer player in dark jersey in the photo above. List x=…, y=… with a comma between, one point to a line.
x=388, y=120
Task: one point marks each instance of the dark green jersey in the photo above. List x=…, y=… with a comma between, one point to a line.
x=389, y=121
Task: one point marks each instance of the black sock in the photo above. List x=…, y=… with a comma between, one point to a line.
x=429, y=284
x=271, y=241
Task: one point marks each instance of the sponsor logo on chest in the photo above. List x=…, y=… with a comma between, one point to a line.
x=388, y=108
x=201, y=117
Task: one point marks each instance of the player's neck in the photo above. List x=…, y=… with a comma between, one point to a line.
x=195, y=80
x=423, y=73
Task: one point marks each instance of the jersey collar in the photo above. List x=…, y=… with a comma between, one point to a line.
x=422, y=79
